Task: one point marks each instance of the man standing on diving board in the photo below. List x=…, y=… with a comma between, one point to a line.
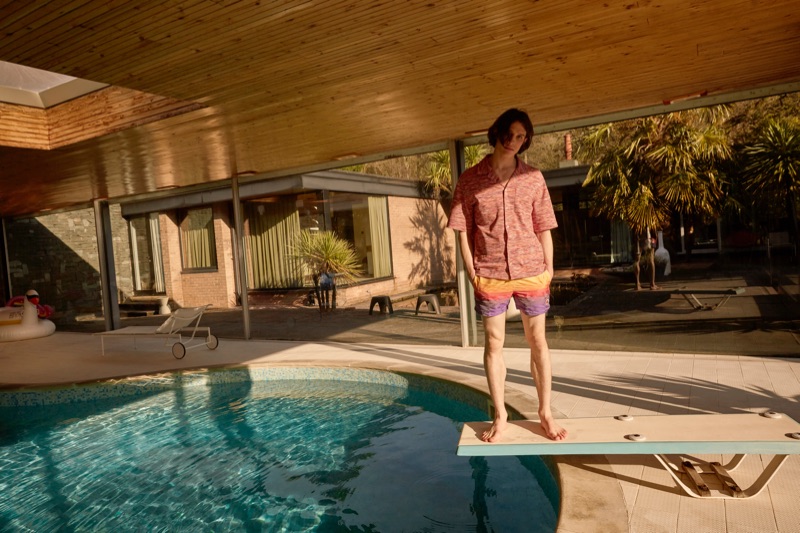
x=503, y=215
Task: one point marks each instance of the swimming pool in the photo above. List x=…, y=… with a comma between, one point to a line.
x=261, y=449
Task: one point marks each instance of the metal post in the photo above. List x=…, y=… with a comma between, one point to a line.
x=105, y=258
x=466, y=295
x=6, y=270
x=238, y=256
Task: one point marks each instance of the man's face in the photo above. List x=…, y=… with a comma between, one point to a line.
x=515, y=138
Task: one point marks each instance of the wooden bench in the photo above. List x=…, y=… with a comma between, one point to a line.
x=691, y=296
x=739, y=434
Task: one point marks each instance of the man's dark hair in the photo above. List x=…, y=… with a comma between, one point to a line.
x=501, y=128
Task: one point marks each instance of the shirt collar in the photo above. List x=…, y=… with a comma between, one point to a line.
x=486, y=166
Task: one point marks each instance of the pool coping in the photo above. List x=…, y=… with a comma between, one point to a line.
x=589, y=491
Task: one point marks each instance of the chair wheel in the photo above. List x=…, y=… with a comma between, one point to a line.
x=178, y=350
x=212, y=342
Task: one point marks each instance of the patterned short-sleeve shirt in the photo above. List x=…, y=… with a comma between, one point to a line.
x=502, y=220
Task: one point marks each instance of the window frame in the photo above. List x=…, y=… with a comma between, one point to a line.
x=182, y=216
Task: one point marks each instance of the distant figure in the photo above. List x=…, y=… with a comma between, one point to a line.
x=503, y=215
x=644, y=245
x=689, y=243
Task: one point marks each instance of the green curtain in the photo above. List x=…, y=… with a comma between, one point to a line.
x=379, y=235
x=272, y=228
x=155, y=247
x=197, y=239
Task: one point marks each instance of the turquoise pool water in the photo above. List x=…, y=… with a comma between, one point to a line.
x=261, y=450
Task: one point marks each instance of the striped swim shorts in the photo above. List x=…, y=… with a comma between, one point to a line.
x=532, y=295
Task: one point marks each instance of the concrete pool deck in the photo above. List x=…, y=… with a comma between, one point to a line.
x=601, y=493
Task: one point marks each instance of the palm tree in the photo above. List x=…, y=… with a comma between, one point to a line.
x=326, y=255
x=438, y=178
x=772, y=166
x=647, y=169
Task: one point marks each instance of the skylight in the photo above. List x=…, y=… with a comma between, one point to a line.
x=21, y=85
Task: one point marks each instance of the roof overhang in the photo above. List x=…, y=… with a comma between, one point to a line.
x=276, y=89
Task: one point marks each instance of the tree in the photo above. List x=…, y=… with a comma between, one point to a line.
x=772, y=166
x=438, y=177
x=326, y=255
x=645, y=170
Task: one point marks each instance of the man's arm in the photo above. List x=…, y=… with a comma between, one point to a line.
x=546, y=238
x=466, y=255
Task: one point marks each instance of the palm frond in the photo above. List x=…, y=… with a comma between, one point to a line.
x=325, y=252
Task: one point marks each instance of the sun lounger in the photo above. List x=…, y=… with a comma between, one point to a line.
x=677, y=435
x=177, y=327
x=692, y=295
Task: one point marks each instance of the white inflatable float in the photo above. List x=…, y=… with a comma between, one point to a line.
x=20, y=323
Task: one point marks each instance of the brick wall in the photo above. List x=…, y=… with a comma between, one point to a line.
x=189, y=289
x=423, y=251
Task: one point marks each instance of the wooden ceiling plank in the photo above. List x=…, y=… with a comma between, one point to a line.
x=50, y=25
x=180, y=54
x=105, y=43
x=72, y=37
x=132, y=34
x=151, y=59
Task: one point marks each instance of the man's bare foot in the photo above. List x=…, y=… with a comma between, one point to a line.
x=494, y=433
x=552, y=429
x=654, y=287
x=638, y=287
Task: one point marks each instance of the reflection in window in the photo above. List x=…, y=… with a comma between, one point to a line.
x=198, y=247
x=363, y=221
x=148, y=267
x=272, y=224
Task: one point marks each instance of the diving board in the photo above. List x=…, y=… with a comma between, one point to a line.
x=660, y=435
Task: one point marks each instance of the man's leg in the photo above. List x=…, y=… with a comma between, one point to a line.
x=652, y=260
x=542, y=374
x=495, y=366
x=636, y=269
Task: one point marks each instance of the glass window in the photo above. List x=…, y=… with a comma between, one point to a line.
x=364, y=222
x=273, y=223
x=580, y=239
x=198, y=247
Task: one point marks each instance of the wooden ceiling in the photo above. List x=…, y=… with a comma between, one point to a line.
x=259, y=87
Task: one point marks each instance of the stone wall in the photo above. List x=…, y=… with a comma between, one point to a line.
x=57, y=255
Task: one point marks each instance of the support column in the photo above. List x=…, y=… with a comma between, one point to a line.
x=5, y=269
x=238, y=256
x=466, y=294
x=105, y=257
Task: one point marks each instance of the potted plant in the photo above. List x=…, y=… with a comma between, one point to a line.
x=326, y=256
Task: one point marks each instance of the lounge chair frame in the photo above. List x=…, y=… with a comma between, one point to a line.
x=670, y=438
x=691, y=296
x=183, y=326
